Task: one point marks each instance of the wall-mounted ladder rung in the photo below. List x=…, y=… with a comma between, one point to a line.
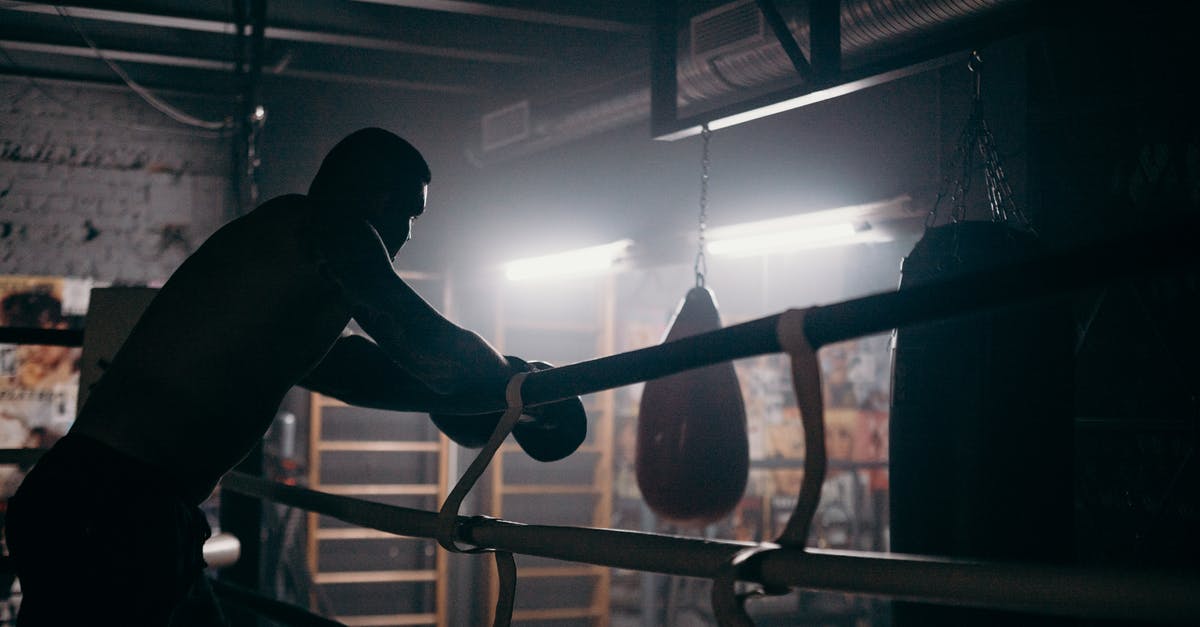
x=585, y=448
x=385, y=446
x=387, y=620
x=379, y=489
x=358, y=533
x=374, y=576
x=545, y=488
x=558, y=613
x=562, y=571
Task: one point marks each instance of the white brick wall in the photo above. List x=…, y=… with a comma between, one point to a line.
x=95, y=183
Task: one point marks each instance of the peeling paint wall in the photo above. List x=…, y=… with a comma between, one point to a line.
x=95, y=183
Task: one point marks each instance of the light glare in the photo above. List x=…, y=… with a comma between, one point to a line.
x=770, y=241
x=579, y=262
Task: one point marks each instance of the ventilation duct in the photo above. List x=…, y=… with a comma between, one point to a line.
x=730, y=27
x=869, y=29
x=723, y=54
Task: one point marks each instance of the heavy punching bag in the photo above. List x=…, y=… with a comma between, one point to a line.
x=981, y=427
x=693, y=455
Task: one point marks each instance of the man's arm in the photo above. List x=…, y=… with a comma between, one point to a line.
x=439, y=354
x=356, y=371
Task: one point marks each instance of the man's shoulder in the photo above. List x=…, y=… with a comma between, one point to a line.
x=279, y=215
x=290, y=203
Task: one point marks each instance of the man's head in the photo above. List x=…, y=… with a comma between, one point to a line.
x=375, y=174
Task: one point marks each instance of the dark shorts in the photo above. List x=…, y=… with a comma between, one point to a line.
x=99, y=538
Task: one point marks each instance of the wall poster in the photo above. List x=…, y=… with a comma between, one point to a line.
x=38, y=384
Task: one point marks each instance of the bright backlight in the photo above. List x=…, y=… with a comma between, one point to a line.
x=579, y=262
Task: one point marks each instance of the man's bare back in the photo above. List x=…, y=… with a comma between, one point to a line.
x=201, y=376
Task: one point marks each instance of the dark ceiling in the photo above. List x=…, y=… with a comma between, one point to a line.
x=490, y=51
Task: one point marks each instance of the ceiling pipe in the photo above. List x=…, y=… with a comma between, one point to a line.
x=482, y=9
x=868, y=28
x=280, y=34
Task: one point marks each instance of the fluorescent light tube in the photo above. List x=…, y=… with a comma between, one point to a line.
x=769, y=241
x=579, y=262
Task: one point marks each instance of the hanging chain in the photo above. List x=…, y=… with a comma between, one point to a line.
x=701, y=266
x=976, y=137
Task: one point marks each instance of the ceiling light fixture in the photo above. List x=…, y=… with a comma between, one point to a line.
x=579, y=262
x=818, y=229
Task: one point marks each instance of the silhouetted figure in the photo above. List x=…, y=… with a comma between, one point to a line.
x=106, y=528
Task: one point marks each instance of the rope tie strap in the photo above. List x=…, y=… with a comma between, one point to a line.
x=447, y=521
x=806, y=380
x=728, y=604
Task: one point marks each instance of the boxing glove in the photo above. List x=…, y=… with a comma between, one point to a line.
x=554, y=431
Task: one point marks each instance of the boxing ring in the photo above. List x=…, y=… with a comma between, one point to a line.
x=786, y=563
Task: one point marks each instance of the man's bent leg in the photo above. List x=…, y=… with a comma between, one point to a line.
x=96, y=547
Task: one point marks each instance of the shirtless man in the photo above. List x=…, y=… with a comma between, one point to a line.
x=108, y=519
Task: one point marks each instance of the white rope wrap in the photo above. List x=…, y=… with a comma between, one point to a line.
x=806, y=380
x=448, y=523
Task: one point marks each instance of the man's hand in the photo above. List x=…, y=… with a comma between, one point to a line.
x=554, y=431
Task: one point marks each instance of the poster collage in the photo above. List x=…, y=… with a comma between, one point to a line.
x=38, y=384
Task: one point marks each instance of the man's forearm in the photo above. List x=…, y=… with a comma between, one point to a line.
x=360, y=372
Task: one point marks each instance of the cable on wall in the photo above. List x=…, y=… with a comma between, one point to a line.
x=146, y=95
x=45, y=92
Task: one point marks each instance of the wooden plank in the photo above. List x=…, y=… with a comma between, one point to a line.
x=374, y=576
x=356, y=533
x=550, y=488
x=387, y=446
x=547, y=572
x=328, y=401
x=387, y=620
x=314, y=477
x=603, y=437
x=558, y=613
x=586, y=448
x=380, y=489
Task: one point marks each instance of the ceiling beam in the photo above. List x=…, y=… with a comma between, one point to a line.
x=276, y=33
x=374, y=81
x=480, y=9
x=281, y=70
x=118, y=55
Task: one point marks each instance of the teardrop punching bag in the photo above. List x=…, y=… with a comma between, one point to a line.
x=981, y=428
x=693, y=454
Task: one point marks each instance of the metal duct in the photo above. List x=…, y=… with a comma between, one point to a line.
x=869, y=27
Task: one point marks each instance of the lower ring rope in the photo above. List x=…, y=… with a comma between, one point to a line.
x=1051, y=589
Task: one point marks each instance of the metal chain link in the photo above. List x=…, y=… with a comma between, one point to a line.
x=976, y=137
x=701, y=266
